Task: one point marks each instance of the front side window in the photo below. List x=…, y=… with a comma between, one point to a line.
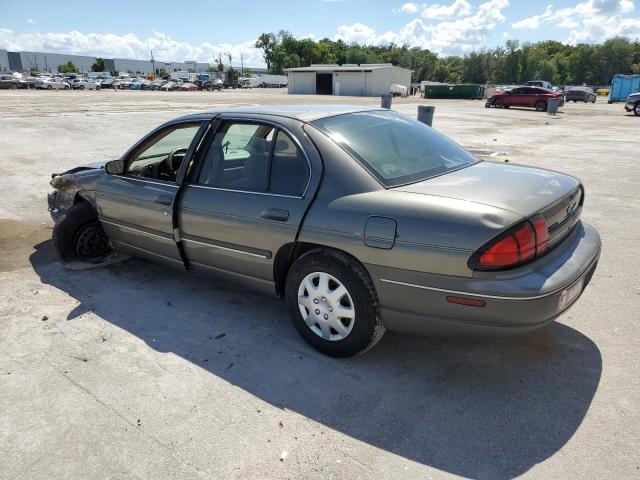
x=396, y=149
x=254, y=157
x=161, y=157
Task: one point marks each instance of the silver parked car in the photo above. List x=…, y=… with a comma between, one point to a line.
x=53, y=84
x=362, y=219
x=633, y=103
x=84, y=84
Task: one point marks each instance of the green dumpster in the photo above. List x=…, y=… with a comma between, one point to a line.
x=469, y=91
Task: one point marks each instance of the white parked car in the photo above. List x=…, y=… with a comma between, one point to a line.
x=53, y=84
x=84, y=84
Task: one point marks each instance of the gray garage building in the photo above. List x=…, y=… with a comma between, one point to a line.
x=366, y=80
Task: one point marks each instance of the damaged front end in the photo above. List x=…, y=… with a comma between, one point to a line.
x=69, y=186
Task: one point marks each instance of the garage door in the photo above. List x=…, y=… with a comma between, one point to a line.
x=351, y=84
x=304, y=83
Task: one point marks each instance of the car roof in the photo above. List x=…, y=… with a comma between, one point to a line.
x=304, y=113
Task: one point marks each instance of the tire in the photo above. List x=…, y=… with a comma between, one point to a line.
x=541, y=106
x=361, y=330
x=499, y=103
x=82, y=87
x=49, y=87
x=66, y=87
x=79, y=237
x=636, y=109
x=97, y=87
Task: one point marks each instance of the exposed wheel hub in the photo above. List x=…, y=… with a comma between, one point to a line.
x=92, y=244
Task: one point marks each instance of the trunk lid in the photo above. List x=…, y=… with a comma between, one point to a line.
x=523, y=190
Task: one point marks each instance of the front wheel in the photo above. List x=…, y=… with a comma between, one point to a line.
x=541, y=106
x=79, y=237
x=636, y=109
x=333, y=303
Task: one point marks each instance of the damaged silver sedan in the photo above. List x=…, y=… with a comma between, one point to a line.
x=362, y=219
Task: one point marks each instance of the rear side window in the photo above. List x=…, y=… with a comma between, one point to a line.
x=289, y=168
x=396, y=149
x=254, y=157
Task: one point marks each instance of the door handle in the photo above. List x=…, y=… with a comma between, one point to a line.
x=163, y=200
x=275, y=214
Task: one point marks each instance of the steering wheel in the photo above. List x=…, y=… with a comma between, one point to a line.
x=175, y=158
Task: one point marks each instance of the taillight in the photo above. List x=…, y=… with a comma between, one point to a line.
x=542, y=233
x=516, y=246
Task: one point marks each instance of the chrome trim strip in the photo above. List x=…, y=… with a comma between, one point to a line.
x=127, y=177
x=136, y=230
x=213, y=245
x=207, y=187
x=481, y=295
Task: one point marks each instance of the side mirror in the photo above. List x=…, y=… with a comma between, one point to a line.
x=114, y=167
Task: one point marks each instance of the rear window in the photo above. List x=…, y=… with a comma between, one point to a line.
x=396, y=149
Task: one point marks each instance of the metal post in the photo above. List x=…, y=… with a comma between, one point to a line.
x=385, y=101
x=425, y=114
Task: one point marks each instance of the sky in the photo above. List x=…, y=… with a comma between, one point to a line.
x=178, y=31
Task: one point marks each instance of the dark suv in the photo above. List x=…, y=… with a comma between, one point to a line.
x=580, y=94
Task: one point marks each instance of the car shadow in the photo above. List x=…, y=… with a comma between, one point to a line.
x=490, y=408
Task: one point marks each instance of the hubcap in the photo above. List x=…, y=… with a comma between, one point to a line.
x=326, y=306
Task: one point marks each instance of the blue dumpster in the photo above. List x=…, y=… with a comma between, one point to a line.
x=622, y=86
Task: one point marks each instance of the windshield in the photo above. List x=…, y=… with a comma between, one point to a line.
x=396, y=149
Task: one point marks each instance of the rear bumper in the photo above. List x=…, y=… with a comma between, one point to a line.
x=516, y=301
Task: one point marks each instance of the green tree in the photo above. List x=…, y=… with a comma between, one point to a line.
x=98, y=66
x=68, y=67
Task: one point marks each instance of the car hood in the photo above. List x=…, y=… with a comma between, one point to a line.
x=519, y=189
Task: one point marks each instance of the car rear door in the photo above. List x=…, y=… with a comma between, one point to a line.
x=246, y=196
x=136, y=207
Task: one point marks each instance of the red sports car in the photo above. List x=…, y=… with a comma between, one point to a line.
x=535, y=97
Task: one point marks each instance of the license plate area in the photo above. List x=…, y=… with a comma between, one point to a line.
x=569, y=294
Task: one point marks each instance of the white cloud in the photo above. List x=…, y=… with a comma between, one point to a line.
x=589, y=21
x=445, y=37
x=436, y=11
x=31, y=21
x=164, y=47
x=408, y=8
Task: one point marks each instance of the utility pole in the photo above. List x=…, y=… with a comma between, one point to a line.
x=153, y=64
x=242, y=64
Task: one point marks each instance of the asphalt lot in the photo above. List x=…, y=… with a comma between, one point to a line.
x=137, y=371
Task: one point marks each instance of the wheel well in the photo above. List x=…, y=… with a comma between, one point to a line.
x=288, y=254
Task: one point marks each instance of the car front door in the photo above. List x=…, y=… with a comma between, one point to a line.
x=136, y=206
x=516, y=97
x=246, y=197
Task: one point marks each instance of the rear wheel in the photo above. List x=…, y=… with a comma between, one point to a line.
x=636, y=109
x=333, y=304
x=79, y=237
x=541, y=106
x=82, y=87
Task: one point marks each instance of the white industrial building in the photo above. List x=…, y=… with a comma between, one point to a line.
x=42, y=61
x=366, y=80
